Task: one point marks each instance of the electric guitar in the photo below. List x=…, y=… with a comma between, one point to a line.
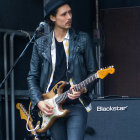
x=24, y=115
x=56, y=98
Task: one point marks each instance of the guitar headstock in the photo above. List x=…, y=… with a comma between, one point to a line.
x=23, y=112
x=102, y=73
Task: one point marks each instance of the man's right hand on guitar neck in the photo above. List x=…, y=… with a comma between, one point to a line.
x=46, y=108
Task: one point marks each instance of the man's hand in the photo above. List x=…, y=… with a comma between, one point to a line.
x=76, y=94
x=45, y=108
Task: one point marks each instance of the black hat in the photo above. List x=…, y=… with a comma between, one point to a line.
x=53, y=5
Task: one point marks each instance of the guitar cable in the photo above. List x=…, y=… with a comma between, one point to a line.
x=30, y=130
x=34, y=130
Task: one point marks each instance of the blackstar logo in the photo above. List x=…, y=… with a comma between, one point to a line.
x=112, y=108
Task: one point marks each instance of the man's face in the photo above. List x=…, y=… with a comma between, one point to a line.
x=63, y=18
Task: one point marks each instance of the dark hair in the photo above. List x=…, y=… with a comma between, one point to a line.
x=49, y=21
x=53, y=13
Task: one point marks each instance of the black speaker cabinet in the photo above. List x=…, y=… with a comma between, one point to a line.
x=114, y=119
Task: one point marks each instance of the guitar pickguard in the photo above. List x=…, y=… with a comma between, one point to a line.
x=56, y=110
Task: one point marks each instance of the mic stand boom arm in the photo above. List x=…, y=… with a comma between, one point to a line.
x=22, y=54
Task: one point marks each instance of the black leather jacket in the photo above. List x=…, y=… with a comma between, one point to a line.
x=81, y=64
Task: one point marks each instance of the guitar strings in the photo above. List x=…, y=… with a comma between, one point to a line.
x=78, y=87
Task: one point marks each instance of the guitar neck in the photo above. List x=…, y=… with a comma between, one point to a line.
x=24, y=111
x=24, y=115
x=78, y=87
x=86, y=82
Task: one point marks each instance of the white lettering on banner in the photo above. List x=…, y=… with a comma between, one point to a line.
x=110, y=108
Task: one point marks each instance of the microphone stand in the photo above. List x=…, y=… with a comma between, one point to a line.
x=17, y=60
x=12, y=96
x=39, y=28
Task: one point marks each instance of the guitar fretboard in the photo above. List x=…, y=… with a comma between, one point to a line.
x=23, y=109
x=79, y=86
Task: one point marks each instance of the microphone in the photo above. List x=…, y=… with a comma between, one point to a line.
x=41, y=26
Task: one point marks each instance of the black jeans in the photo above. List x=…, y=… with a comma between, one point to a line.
x=72, y=126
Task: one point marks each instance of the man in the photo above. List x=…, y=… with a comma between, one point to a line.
x=62, y=55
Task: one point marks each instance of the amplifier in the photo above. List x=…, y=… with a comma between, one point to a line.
x=114, y=119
